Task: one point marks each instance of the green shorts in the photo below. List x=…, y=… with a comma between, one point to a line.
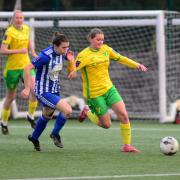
x=101, y=104
x=12, y=77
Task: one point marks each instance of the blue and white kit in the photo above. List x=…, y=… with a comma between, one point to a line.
x=48, y=65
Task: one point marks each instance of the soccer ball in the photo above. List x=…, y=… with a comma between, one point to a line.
x=169, y=145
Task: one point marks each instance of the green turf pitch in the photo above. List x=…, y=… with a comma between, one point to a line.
x=89, y=152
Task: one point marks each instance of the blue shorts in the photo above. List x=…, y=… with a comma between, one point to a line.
x=48, y=99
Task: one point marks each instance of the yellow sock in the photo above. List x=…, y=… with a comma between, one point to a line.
x=32, y=107
x=93, y=117
x=126, y=133
x=5, y=115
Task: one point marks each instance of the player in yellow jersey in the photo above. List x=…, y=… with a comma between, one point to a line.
x=98, y=89
x=17, y=45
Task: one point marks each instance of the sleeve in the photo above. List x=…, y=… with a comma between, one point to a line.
x=41, y=60
x=7, y=38
x=122, y=59
x=80, y=62
x=71, y=66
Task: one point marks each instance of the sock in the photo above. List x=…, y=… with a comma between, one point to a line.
x=5, y=116
x=40, y=126
x=93, y=117
x=32, y=107
x=59, y=123
x=126, y=133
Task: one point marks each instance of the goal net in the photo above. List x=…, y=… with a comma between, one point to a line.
x=148, y=37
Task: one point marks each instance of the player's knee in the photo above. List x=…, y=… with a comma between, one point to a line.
x=124, y=120
x=67, y=112
x=48, y=115
x=106, y=125
x=10, y=99
x=123, y=117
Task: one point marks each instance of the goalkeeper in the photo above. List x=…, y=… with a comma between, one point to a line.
x=16, y=44
x=48, y=65
x=98, y=89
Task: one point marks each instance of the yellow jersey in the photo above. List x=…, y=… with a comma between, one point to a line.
x=17, y=39
x=94, y=66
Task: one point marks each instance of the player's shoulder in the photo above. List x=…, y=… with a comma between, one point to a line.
x=84, y=51
x=106, y=47
x=26, y=27
x=9, y=29
x=48, y=51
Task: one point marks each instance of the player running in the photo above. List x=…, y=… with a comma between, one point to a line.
x=98, y=89
x=47, y=88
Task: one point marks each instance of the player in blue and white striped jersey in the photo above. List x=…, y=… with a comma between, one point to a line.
x=48, y=64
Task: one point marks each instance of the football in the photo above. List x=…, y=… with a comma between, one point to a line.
x=169, y=145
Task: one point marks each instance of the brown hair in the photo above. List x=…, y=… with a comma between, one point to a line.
x=58, y=38
x=93, y=33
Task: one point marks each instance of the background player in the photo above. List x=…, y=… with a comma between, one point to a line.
x=16, y=44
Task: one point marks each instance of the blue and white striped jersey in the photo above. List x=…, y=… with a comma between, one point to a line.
x=48, y=65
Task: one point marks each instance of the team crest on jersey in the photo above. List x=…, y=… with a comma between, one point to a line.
x=78, y=63
x=106, y=53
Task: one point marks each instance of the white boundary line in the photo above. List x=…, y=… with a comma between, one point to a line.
x=102, y=177
x=95, y=128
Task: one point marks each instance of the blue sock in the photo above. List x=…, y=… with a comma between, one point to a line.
x=60, y=121
x=40, y=126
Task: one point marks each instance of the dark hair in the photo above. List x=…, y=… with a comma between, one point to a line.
x=58, y=38
x=93, y=33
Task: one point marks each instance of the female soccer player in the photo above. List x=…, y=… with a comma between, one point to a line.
x=47, y=88
x=16, y=44
x=98, y=88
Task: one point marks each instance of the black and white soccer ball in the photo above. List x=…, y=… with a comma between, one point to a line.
x=169, y=145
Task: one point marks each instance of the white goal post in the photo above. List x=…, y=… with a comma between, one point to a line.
x=124, y=19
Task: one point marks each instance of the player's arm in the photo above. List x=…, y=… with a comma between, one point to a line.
x=31, y=49
x=126, y=61
x=37, y=62
x=80, y=62
x=71, y=67
x=5, y=50
x=132, y=64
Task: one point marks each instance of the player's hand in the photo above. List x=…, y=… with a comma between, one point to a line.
x=72, y=75
x=23, y=51
x=25, y=93
x=70, y=55
x=143, y=68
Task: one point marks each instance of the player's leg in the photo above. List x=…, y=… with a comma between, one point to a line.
x=49, y=102
x=11, y=78
x=58, y=125
x=97, y=112
x=10, y=95
x=31, y=109
x=40, y=126
x=32, y=105
x=65, y=112
x=116, y=103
